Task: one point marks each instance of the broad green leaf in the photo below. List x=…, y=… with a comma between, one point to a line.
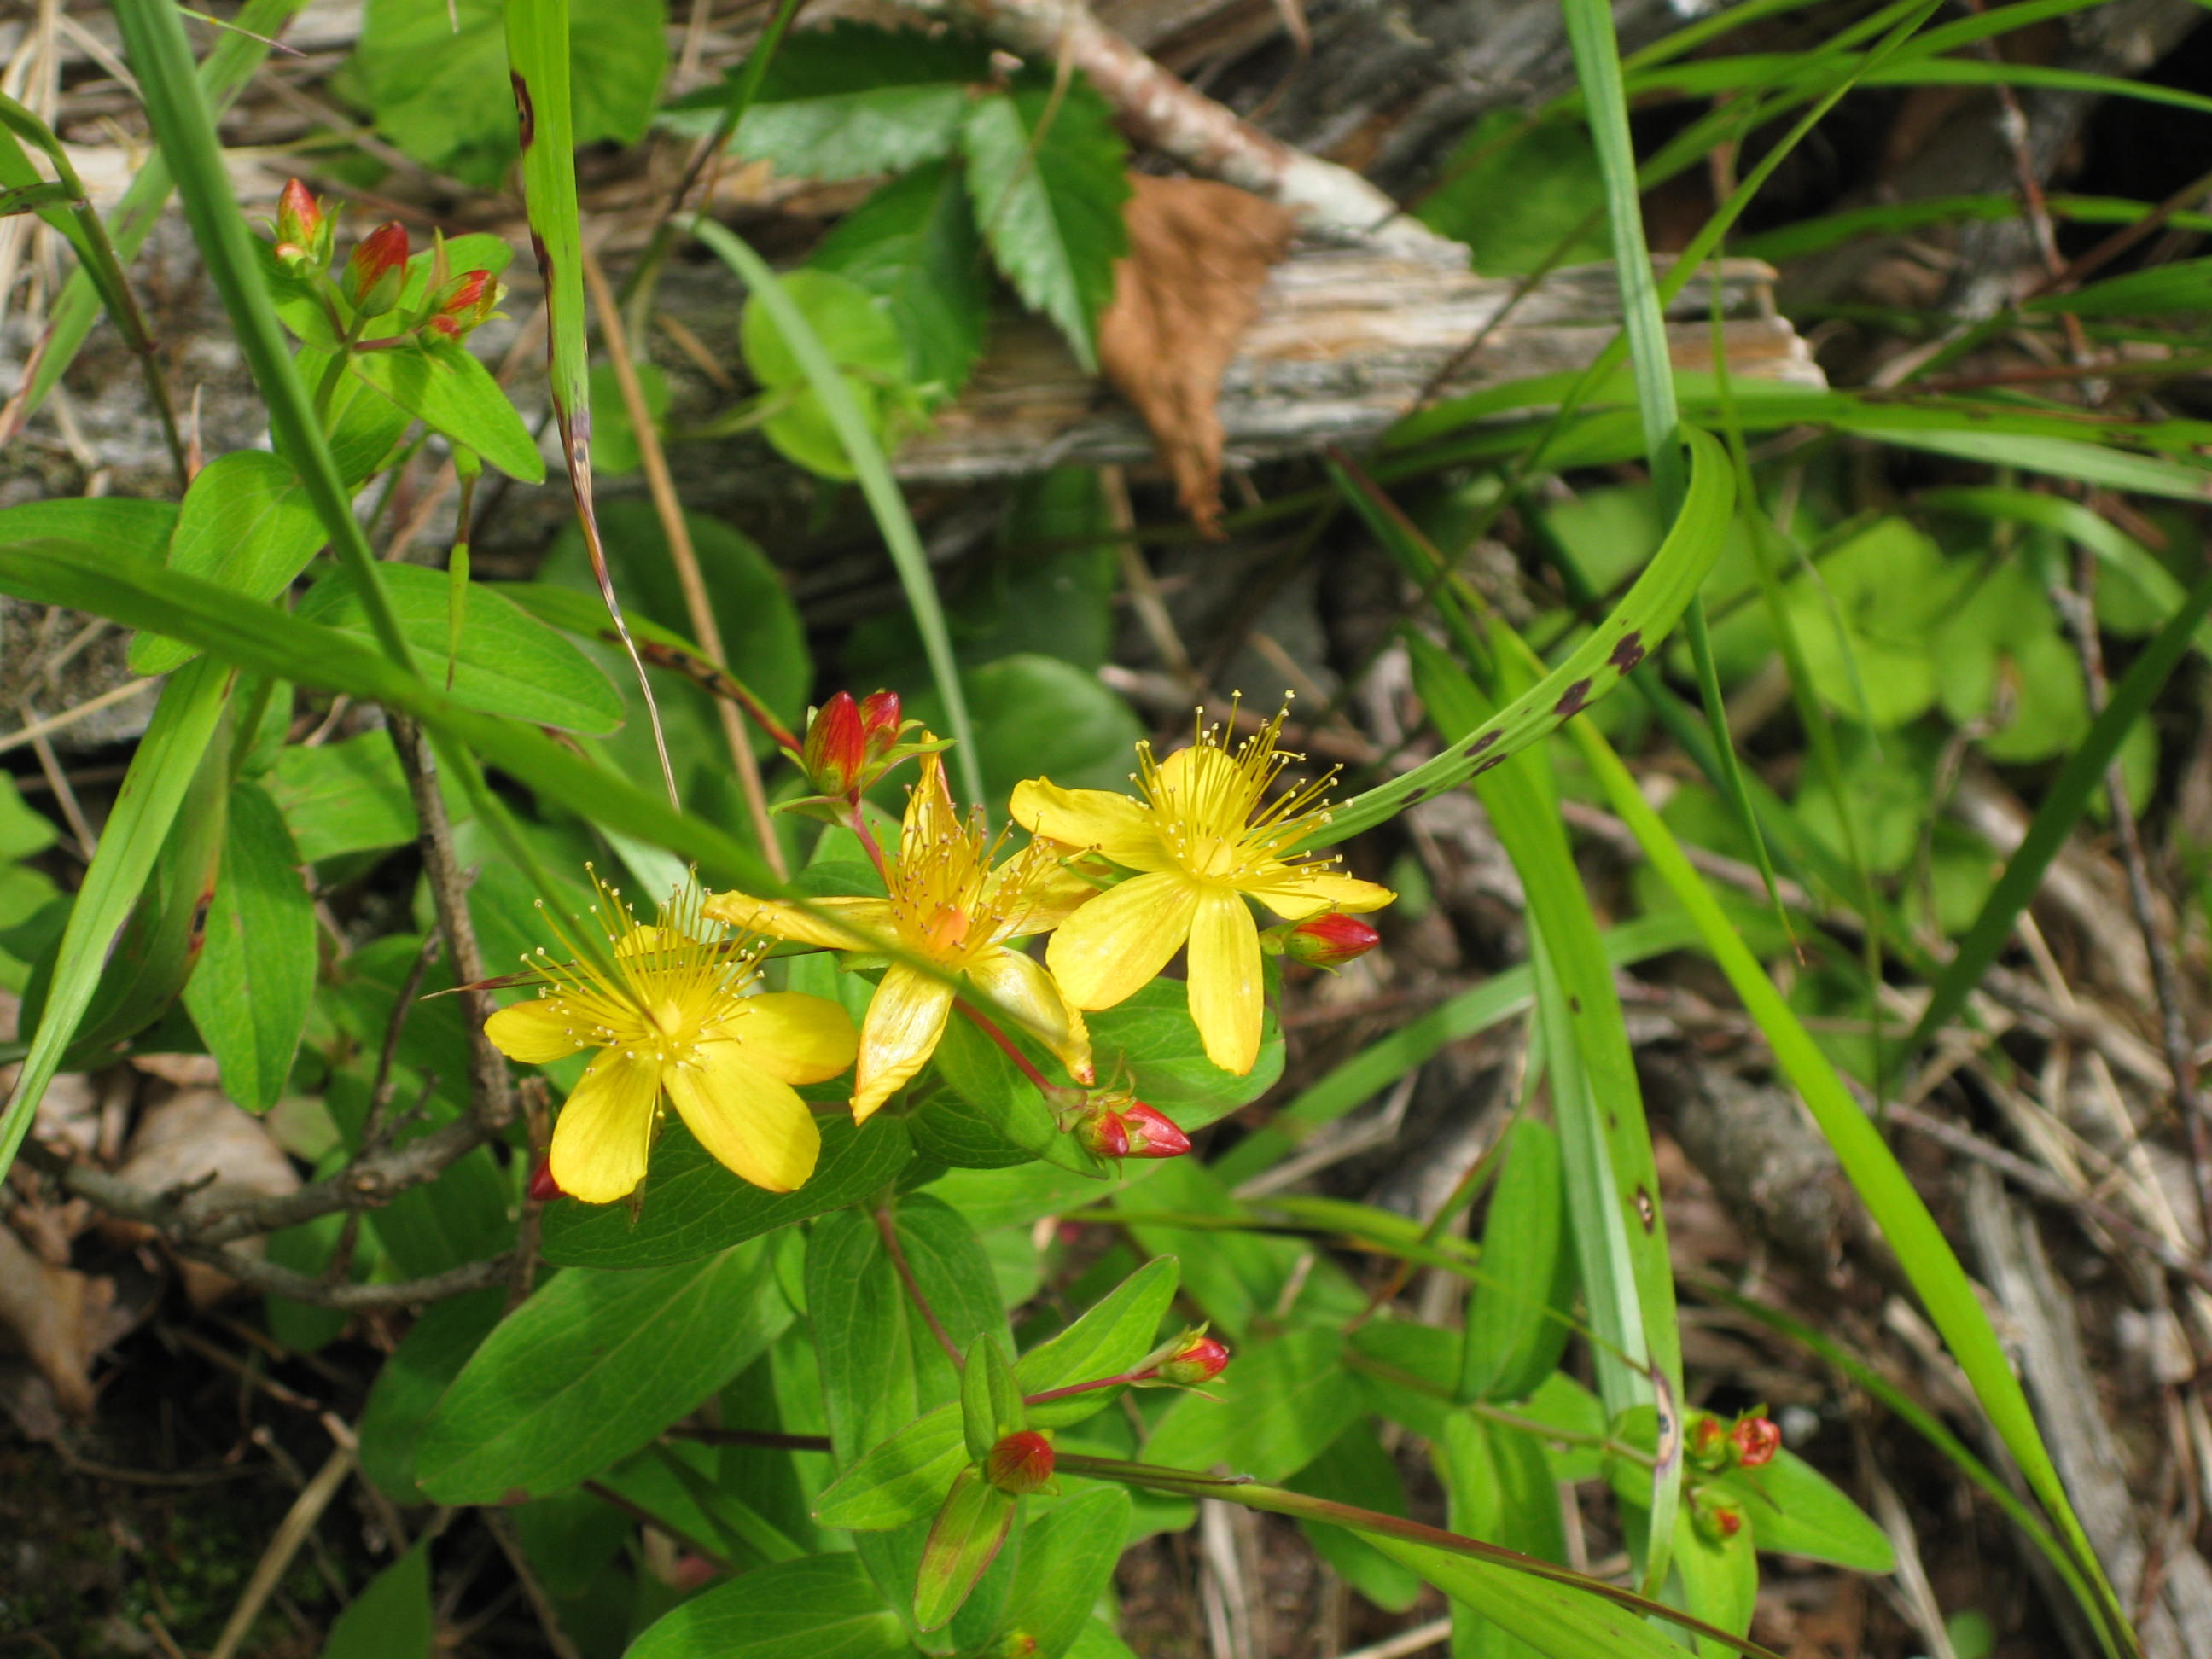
x=1238, y=1279
x=409, y=1384
x=823, y=1607
x=344, y=797
x=914, y=243
x=2158, y=291
x=1555, y=1619
x=249, y=993
x=1511, y=190
x=1153, y=1036
x=953, y=1271
x=123, y=527
x=1499, y=1488
x=511, y=662
x=1282, y=1401
x=451, y=393
x=246, y=522
x=1045, y=172
x=964, y=1541
x=990, y=1401
x=856, y=329
x=905, y=1477
x=440, y=92
x=861, y=1317
x=1719, y=1579
x=1067, y=1563
x=592, y=1368
x=1096, y=1640
x=392, y=1617
x=694, y=1208
x=1794, y=1510
x=1867, y=620
x=614, y=444
x=1520, y=1316
x=22, y=831
x=853, y=100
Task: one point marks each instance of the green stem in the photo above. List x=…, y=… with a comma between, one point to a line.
x=1275, y=1500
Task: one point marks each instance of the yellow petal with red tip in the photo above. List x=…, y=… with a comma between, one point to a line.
x=905, y=1020
x=1225, y=980
x=753, y=1123
x=603, y=1135
x=1020, y=987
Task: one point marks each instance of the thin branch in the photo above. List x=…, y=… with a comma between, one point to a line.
x=490, y=1096
x=638, y=1512
x=534, y=1589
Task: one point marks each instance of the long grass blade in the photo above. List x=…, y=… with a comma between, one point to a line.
x=537, y=58
x=877, y=484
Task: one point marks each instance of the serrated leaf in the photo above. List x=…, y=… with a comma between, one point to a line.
x=593, y=1367
x=851, y=100
x=914, y=242
x=1047, y=174
x=694, y=1208
x=249, y=993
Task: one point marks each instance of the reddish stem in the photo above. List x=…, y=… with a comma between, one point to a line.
x=1086, y=1388
x=889, y=1230
x=857, y=822
x=983, y=1022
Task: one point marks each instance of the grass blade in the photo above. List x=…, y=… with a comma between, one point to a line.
x=882, y=491
x=537, y=59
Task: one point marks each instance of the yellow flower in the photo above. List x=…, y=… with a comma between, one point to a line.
x=1204, y=838
x=666, y=1007
x=950, y=906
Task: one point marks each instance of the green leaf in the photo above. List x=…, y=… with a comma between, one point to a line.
x=914, y=243
x=1282, y=1401
x=511, y=662
x=1499, y=1487
x=391, y=1619
x=409, y=1384
x=1152, y=1034
x=452, y=393
x=990, y=1400
x=246, y=522
x=861, y=1317
x=1520, y=1315
x=1867, y=619
x=964, y=1541
x=694, y=1208
x=853, y=100
x=344, y=797
x=614, y=445
x=1719, y=1579
x=1553, y=1619
x=1512, y=192
x=1067, y=1564
x=440, y=92
x=250, y=994
x=592, y=1368
x=1046, y=172
x=823, y=1607
x=123, y=527
x=22, y=831
x=855, y=328
x=1794, y=1510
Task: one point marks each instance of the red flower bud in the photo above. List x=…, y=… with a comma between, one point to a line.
x=1103, y=1134
x=837, y=746
x=1329, y=940
x=1152, y=1133
x=1707, y=1444
x=377, y=271
x=543, y=1190
x=463, y=305
x=1197, y=1358
x=1718, y=1522
x=1756, y=1439
x=1020, y=1464
x=303, y=232
x=879, y=719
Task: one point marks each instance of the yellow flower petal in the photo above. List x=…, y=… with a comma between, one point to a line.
x=1031, y=998
x=1296, y=893
x=792, y=1036
x=1226, y=982
x=1116, y=825
x=540, y=1031
x=602, y=1136
x=841, y=924
x=751, y=1123
x=1033, y=893
x=905, y=1020
x=1117, y=943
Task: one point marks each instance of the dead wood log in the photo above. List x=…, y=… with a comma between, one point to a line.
x=1347, y=342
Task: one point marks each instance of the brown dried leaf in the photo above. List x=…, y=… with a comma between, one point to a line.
x=200, y=1141
x=59, y=1317
x=1183, y=296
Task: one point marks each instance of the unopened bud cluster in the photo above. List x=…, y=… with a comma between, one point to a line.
x=373, y=279
x=1128, y=1128
x=1715, y=1447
